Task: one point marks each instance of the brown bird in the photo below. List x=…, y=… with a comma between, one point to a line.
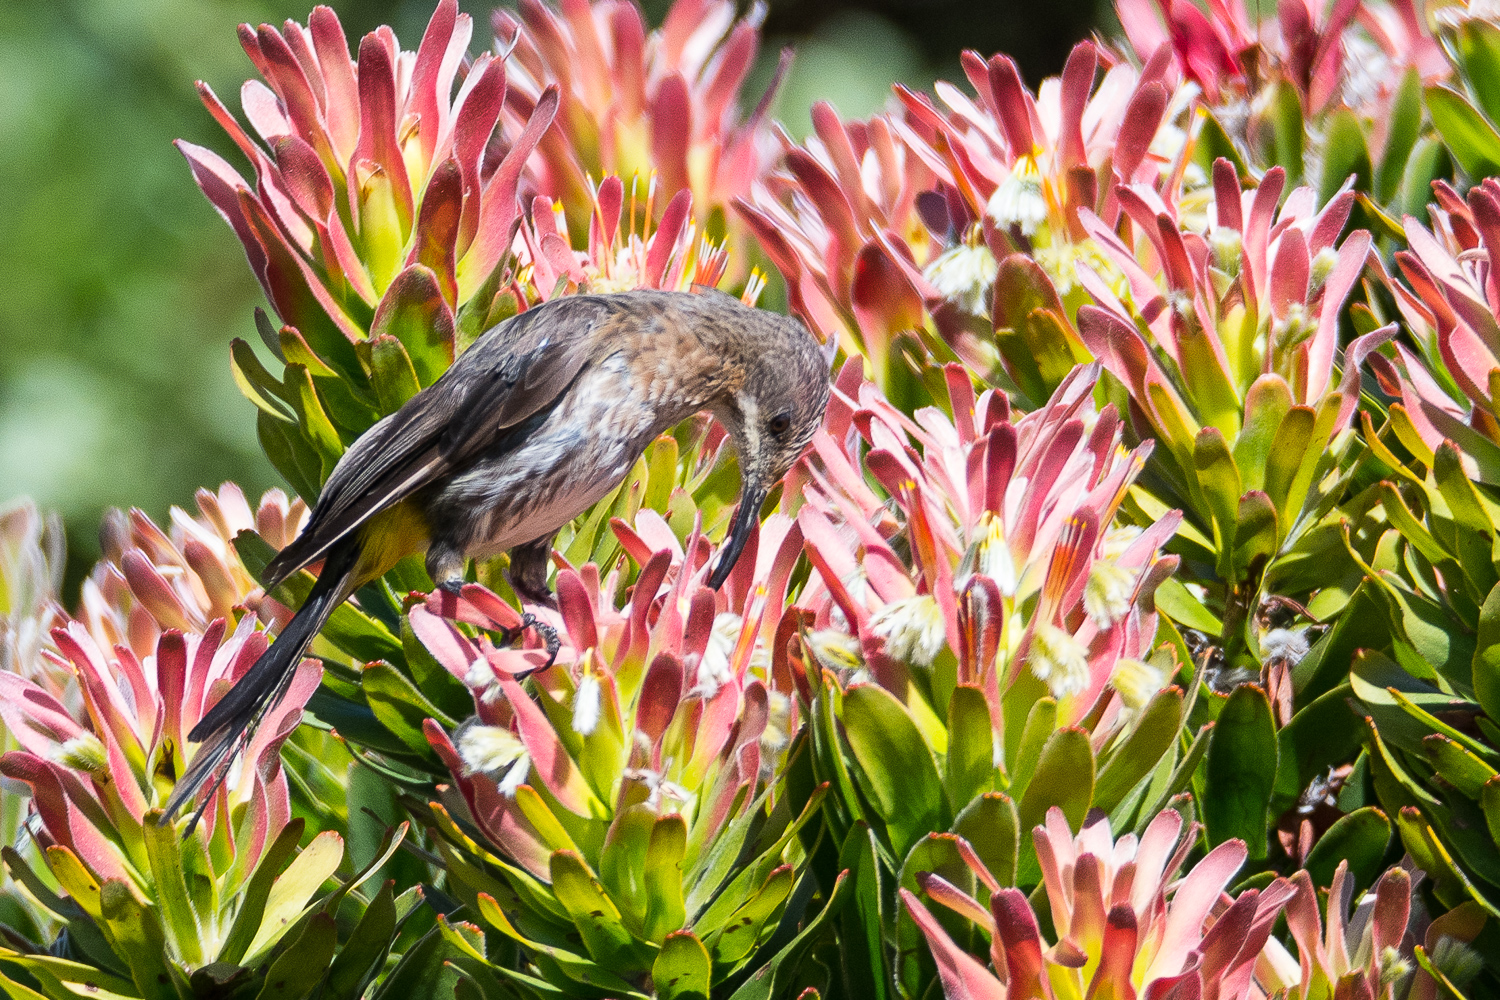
x=538, y=420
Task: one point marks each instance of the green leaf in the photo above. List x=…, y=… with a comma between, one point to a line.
x=1220, y=481
x=413, y=311
x=1257, y=535
x=1281, y=130
x=860, y=926
x=597, y=918
x=993, y=828
x=391, y=373
x=1479, y=52
x=400, y=707
x=1177, y=603
x=737, y=937
x=1344, y=154
x=1213, y=395
x=1429, y=161
x=1155, y=732
x=298, y=970
x=1288, y=449
x=666, y=909
x=364, y=954
x=1041, y=722
x=1360, y=838
x=574, y=967
x=290, y=454
x=682, y=968
x=898, y=767
x=257, y=384
x=968, y=768
x=773, y=979
x=1241, y=771
x=295, y=887
x=1486, y=663
x=1404, y=125
x=137, y=937
x=1266, y=405
x=1471, y=139
x=1455, y=765
x=1034, y=343
x=1064, y=778
x=165, y=857
x=661, y=475
x=313, y=419
x=257, y=891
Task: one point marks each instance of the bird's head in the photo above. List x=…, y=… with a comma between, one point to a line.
x=771, y=413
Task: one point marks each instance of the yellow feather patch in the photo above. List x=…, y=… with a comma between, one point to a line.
x=388, y=537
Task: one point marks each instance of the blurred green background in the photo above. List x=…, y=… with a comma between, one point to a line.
x=120, y=289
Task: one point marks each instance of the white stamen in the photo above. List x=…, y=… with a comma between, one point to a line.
x=1059, y=659
x=913, y=629
x=586, y=705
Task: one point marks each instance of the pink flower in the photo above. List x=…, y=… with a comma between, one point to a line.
x=634, y=102
x=374, y=181
x=998, y=516
x=1449, y=303
x=1118, y=932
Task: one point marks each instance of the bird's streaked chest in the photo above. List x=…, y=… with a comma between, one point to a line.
x=579, y=453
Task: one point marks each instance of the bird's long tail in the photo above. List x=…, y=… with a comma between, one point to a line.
x=228, y=725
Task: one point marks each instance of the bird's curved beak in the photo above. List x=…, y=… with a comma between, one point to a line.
x=752, y=495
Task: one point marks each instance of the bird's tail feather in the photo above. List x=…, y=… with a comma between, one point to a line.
x=228, y=725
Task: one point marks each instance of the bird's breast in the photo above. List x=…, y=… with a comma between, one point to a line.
x=579, y=453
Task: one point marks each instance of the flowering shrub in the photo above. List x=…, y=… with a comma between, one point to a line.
x=1157, y=486
x=641, y=798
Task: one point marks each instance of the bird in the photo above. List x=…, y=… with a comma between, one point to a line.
x=538, y=420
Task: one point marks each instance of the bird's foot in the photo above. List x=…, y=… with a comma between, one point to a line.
x=550, y=641
x=534, y=595
x=453, y=587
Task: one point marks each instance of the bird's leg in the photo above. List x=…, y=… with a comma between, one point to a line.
x=445, y=564
x=528, y=571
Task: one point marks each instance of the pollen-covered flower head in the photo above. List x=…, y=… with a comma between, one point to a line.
x=1008, y=556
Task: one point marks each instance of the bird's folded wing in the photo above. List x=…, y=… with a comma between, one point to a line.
x=513, y=372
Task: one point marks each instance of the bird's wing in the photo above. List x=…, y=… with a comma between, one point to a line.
x=515, y=371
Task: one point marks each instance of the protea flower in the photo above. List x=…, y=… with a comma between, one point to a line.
x=1232, y=54
x=1365, y=949
x=1125, y=924
x=163, y=632
x=1016, y=569
x=896, y=226
x=839, y=221
x=382, y=211
x=617, y=795
x=1247, y=314
x=1021, y=165
x=31, y=568
x=982, y=636
x=627, y=246
x=636, y=103
x=1448, y=394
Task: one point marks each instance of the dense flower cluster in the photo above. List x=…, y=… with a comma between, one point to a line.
x=1155, y=497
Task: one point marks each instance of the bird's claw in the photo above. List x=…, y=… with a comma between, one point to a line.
x=550, y=640
x=453, y=587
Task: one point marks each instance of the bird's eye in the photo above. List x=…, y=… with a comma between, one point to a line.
x=780, y=423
